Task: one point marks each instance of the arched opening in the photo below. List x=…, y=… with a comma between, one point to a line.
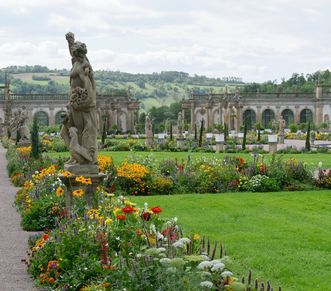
x=288, y=116
x=42, y=118
x=58, y=118
x=306, y=115
x=249, y=117
x=267, y=117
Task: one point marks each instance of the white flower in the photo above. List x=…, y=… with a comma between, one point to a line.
x=175, y=219
x=185, y=240
x=207, y=284
x=161, y=250
x=152, y=228
x=178, y=244
x=204, y=265
x=159, y=236
x=218, y=267
x=320, y=164
x=226, y=274
x=145, y=206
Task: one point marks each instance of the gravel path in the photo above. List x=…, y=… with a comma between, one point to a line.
x=13, y=240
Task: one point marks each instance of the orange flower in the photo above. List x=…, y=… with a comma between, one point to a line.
x=78, y=193
x=120, y=217
x=59, y=191
x=51, y=280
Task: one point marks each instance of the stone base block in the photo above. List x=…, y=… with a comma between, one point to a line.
x=180, y=142
x=272, y=147
x=24, y=143
x=82, y=170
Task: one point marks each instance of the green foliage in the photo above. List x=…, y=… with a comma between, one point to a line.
x=35, y=143
x=245, y=136
x=293, y=127
x=307, y=144
x=201, y=133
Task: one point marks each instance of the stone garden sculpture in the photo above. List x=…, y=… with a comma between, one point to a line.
x=80, y=122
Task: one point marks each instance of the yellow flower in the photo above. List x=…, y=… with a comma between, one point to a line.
x=108, y=221
x=78, y=193
x=117, y=211
x=79, y=178
x=196, y=236
x=59, y=191
x=67, y=174
x=87, y=181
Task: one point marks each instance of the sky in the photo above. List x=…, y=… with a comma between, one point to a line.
x=257, y=40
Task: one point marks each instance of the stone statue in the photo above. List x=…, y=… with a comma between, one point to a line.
x=312, y=137
x=13, y=126
x=180, y=122
x=281, y=125
x=148, y=131
x=79, y=129
x=23, y=128
x=148, y=124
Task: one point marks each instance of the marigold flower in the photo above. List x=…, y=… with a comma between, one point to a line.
x=156, y=209
x=59, y=191
x=196, y=236
x=51, y=280
x=78, y=193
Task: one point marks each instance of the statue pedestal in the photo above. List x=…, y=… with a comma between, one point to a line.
x=73, y=185
x=281, y=137
x=24, y=143
x=180, y=142
x=149, y=141
x=272, y=147
x=82, y=170
x=219, y=147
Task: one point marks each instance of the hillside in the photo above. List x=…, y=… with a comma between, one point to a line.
x=155, y=89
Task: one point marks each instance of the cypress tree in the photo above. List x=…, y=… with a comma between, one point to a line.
x=104, y=133
x=201, y=133
x=18, y=137
x=35, y=151
x=170, y=129
x=307, y=145
x=245, y=134
x=195, y=132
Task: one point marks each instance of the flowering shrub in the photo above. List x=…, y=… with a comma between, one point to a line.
x=119, y=245
x=133, y=178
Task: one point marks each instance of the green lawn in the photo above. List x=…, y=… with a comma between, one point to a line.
x=118, y=157
x=283, y=236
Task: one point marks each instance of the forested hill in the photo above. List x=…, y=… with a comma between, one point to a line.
x=154, y=89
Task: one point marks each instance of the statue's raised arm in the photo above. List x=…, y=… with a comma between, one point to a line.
x=70, y=37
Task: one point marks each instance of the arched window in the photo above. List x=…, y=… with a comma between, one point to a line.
x=288, y=116
x=58, y=118
x=306, y=115
x=267, y=117
x=42, y=118
x=249, y=116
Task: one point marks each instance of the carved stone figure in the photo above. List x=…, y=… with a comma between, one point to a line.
x=23, y=128
x=180, y=123
x=13, y=126
x=80, y=122
x=312, y=137
x=281, y=125
x=148, y=125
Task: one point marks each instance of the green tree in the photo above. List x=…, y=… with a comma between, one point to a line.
x=307, y=145
x=35, y=151
x=201, y=133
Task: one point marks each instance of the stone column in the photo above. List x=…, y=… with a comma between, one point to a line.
x=238, y=118
x=220, y=114
x=297, y=114
x=258, y=114
x=51, y=117
x=211, y=117
x=129, y=120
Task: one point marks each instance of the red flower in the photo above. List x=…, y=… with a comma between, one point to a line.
x=156, y=209
x=120, y=217
x=45, y=236
x=146, y=216
x=127, y=209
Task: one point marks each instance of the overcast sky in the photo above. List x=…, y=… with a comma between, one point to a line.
x=257, y=40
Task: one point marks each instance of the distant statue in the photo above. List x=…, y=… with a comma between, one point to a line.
x=312, y=137
x=13, y=126
x=281, y=125
x=180, y=123
x=148, y=124
x=22, y=127
x=80, y=121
